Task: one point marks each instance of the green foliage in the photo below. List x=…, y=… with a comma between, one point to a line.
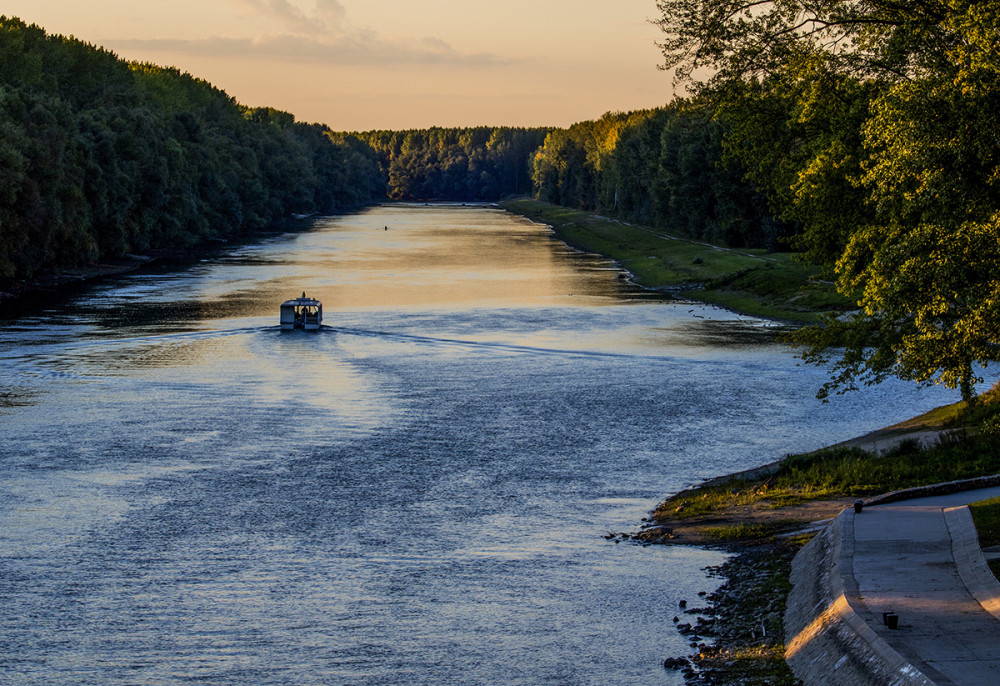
x=986, y=516
x=99, y=157
x=481, y=163
x=748, y=281
x=847, y=472
x=663, y=168
x=751, y=533
x=872, y=127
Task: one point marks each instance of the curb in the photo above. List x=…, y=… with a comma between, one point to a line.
x=945, y=488
x=969, y=560
x=827, y=642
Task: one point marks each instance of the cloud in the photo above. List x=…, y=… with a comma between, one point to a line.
x=331, y=11
x=328, y=16
x=322, y=35
x=358, y=48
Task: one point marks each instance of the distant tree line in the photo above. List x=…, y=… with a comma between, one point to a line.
x=100, y=157
x=479, y=163
x=664, y=167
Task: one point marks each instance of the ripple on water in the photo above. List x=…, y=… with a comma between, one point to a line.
x=418, y=494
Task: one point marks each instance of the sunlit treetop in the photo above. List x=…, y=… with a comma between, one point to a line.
x=745, y=38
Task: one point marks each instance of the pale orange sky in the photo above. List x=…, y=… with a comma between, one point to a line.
x=392, y=64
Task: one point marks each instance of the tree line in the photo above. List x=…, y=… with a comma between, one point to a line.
x=861, y=134
x=871, y=128
x=662, y=167
x=100, y=157
x=475, y=164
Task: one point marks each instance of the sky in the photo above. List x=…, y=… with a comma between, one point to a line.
x=390, y=64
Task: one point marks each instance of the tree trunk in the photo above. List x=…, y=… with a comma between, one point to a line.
x=968, y=384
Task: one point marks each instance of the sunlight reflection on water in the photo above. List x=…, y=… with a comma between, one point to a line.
x=417, y=494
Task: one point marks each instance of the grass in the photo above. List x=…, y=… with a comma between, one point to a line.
x=986, y=516
x=843, y=472
x=840, y=472
x=753, y=282
x=760, y=532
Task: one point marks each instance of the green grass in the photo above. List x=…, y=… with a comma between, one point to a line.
x=753, y=282
x=844, y=472
x=751, y=533
x=986, y=515
x=966, y=448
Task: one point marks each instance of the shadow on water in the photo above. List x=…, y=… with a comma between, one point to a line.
x=728, y=334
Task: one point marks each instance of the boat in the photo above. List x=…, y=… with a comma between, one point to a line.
x=301, y=313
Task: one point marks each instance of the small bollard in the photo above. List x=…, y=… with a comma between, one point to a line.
x=858, y=504
x=892, y=621
x=885, y=616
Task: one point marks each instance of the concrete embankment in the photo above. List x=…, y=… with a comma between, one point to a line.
x=826, y=642
x=918, y=560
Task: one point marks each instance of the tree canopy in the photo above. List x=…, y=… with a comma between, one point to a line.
x=873, y=126
x=100, y=157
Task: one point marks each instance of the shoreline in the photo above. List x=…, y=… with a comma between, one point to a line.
x=751, y=282
x=745, y=616
x=15, y=296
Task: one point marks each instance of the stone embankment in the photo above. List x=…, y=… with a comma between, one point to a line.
x=896, y=594
x=826, y=641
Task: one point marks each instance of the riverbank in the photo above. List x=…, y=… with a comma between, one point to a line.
x=23, y=294
x=765, y=515
x=751, y=282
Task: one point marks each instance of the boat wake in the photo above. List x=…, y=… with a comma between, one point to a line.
x=495, y=345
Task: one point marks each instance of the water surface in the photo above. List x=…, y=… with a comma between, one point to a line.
x=417, y=494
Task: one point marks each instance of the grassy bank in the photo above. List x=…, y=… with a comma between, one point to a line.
x=986, y=516
x=754, y=513
x=760, y=515
x=752, y=282
x=964, y=446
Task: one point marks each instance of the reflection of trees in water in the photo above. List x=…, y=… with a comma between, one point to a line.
x=16, y=396
x=731, y=333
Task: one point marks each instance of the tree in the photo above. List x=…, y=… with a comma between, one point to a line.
x=921, y=250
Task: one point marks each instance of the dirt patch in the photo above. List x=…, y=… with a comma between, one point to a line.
x=748, y=521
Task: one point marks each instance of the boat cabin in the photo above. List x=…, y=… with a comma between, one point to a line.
x=301, y=313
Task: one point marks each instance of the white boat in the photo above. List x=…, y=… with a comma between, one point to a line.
x=301, y=313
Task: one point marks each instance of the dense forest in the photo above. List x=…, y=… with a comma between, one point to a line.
x=480, y=163
x=664, y=168
x=100, y=157
x=862, y=135
x=871, y=128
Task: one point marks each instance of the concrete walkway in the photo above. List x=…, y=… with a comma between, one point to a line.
x=919, y=559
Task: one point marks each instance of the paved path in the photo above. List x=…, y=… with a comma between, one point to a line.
x=904, y=562
x=920, y=559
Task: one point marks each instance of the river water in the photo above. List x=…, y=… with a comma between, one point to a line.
x=417, y=494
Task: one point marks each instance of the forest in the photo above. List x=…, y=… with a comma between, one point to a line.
x=871, y=129
x=100, y=157
x=862, y=136
x=467, y=164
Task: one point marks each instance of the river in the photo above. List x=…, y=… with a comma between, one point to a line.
x=419, y=493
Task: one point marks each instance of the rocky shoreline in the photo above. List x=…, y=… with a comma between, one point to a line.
x=737, y=638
